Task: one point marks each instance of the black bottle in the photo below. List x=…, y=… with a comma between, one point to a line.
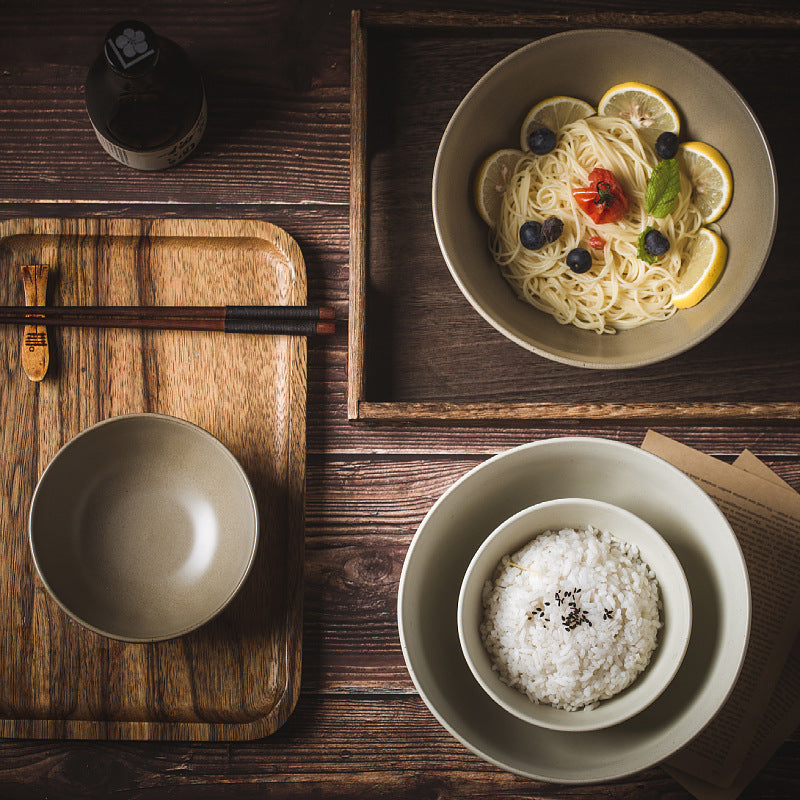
x=145, y=99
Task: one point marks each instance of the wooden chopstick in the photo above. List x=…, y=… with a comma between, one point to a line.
x=282, y=320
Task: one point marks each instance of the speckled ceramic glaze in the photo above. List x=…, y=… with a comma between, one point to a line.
x=579, y=513
x=143, y=527
x=612, y=472
x=711, y=110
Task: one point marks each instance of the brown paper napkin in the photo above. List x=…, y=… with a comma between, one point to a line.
x=764, y=706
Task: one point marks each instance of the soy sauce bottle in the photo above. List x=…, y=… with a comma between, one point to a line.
x=145, y=98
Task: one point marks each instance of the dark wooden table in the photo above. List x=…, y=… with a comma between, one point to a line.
x=277, y=148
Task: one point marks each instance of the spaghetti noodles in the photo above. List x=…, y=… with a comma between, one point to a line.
x=619, y=290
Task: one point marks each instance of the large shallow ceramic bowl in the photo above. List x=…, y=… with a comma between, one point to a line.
x=578, y=513
x=143, y=527
x=616, y=473
x=489, y=118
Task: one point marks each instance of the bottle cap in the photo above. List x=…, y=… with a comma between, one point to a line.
x=131, y=48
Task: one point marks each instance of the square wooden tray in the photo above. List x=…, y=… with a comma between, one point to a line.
x=417, y=349
x=237, y=677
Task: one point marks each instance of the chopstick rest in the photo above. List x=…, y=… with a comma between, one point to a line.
x=35, y=347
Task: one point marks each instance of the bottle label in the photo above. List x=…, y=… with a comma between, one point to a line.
x=164, y=157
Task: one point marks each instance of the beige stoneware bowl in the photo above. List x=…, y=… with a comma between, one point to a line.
x=489, y=118
x=613, y=472
x=143, y=527
x=579, y=513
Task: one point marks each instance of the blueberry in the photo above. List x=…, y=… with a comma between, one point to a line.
x=541, y=141
x=531, y=236
x=579, y=260
x=656, y=243
x=552, y=228
x=667, y=145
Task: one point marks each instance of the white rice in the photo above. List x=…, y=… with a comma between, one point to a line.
x=578, y=629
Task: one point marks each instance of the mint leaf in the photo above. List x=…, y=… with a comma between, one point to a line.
x=641, y=251
x=663, y=188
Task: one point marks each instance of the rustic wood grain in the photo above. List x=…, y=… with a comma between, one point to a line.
x=277, y=149
x=593, y=16
x=358, y=213
x=267, y=74
x=318, y=757
x=237, y=677
x=720, y=412
x=315, y=755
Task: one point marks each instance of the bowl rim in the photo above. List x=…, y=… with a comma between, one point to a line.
x=574, y=723
x=158, y=418
x=573, y=360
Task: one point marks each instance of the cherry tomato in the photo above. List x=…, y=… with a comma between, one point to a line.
x=597, y=242
x=603, y=199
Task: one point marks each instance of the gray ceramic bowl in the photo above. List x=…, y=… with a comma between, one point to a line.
x=579, y=513
x=143, y=527
x=489, y=118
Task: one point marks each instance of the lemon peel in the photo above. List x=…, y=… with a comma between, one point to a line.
x=648, y=109
x=491, y=181
x=710, y=176
x=702, y=270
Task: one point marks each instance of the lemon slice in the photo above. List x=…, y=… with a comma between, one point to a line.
x=554, y=113
x=491, y=182
x=646, y=108
x=712, y=183
x=702, y=270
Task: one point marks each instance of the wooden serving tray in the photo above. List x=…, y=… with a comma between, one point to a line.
x=417, y=349
x=237, y=677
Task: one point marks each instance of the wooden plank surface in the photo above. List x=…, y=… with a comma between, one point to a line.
x=237, y=677
x=277, y=149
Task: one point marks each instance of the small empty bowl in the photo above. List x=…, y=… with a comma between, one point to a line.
x=578, y=514
x=143, y=527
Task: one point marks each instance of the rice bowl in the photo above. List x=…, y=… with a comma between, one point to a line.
x=574, y=664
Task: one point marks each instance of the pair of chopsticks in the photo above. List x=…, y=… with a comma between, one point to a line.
x=280, y=320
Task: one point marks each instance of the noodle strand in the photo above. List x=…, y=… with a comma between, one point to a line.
x=620, y=290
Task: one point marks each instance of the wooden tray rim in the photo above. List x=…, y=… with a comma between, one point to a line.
x=278, y=714
x=358, y=408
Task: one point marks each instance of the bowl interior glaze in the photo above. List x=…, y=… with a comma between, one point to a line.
x=143, y=527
